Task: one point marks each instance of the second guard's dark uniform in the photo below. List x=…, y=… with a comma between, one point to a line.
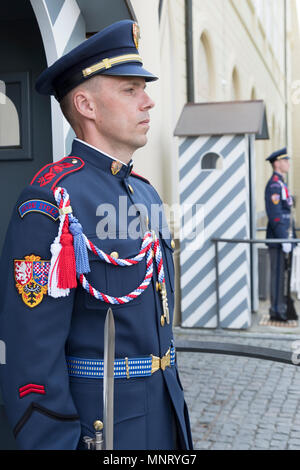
x=278, y=202
x=51, y=383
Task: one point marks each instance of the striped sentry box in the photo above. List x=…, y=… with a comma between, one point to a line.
x=214, y=204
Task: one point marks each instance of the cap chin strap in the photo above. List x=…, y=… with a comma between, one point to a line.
x=63, y=87
x=282, y=157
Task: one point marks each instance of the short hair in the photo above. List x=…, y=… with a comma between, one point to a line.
x=67, y=105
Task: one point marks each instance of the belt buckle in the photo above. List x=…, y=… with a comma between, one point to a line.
x=165, y=360
x=161, y=363
x=155, y=364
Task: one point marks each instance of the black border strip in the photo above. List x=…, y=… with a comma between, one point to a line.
x=36, y=407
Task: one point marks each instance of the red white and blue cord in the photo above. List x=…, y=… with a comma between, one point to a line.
x=60, y=283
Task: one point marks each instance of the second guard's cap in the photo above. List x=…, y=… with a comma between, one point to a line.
x=278, y=155
x=112, y=51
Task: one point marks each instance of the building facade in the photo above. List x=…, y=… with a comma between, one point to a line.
x=202, y=50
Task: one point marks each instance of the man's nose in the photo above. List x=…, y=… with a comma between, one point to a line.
x=148, y=102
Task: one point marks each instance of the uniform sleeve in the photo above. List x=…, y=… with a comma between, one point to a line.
x=34, y=327
x=274, y=210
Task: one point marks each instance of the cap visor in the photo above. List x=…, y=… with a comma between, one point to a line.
x=130, y=70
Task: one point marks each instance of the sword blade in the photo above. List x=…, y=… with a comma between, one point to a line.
x=108, y=380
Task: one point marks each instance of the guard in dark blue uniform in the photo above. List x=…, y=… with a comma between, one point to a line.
x=280, y=225
x=88, y=234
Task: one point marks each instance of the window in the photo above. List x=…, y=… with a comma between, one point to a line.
x=235, y=86
x=211, y=161
x=204, y=79
x=9, y=118
x=14, y=116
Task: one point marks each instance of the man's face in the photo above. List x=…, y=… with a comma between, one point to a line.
x=122, y=112
x=284, y=166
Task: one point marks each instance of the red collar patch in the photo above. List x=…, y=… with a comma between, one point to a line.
x=140, y=177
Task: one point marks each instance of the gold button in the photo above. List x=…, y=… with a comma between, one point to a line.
x=74, y=161
x=172, y=244
x=114, y=254
x=147, y=221
x=152, y=253
x=130, y=188
x=162, y=320
x=157, y=286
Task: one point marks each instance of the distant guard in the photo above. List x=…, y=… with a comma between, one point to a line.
x=279, y=204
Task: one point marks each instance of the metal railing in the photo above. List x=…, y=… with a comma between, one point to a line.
x=216, y=242
x=235, y=349
x=264, y=229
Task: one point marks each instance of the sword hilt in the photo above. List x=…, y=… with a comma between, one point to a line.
x=95, y=443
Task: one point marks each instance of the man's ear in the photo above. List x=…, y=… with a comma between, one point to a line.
x=84, y=104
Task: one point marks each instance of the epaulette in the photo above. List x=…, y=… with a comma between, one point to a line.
x=55, y=171
x=140, y=177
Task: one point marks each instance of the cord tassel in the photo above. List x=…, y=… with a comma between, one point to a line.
x=80, y=248
x=66, y=260
x=62, y=274
x=53, y=289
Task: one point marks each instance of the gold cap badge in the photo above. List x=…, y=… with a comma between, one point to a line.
x=136, y=34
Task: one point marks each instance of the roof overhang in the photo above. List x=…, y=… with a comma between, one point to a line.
x=221, y=118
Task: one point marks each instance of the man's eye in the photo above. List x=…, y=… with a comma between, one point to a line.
x=129, y=90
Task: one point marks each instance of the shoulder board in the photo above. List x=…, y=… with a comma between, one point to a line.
x=52, y=173
x=140, y=177
x=275, y=178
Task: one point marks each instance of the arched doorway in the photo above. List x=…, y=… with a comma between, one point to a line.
x=25, y=117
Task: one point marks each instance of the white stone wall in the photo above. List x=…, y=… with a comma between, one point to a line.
x=239, y=53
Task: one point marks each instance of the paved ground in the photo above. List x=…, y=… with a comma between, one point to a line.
x=242, y=403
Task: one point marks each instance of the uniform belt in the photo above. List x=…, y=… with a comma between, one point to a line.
x=123, y=368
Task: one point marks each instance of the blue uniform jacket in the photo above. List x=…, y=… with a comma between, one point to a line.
x=46, y=408
x=278, y=204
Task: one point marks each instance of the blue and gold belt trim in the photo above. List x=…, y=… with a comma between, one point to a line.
x=123, y=368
